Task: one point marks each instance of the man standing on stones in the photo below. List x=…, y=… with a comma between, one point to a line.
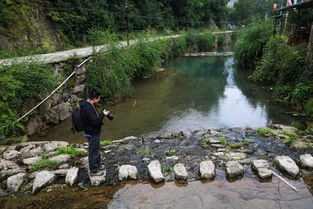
x=93, y=121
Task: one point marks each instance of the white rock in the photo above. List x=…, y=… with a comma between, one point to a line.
x=287, y=164
x=180, y=172
x=42, y=179
x=155, y=172
x=11, y=154
x=207, y=169
x=236, y=156
x=60, y=172
x=61, y=158
x=125, y=140
x=49, y=147
x=71, y=176
x=233, y=169
x=84, y=161
x=64, y=166
x=127, y=171
x=15, y=182
x=31, y=160
x=36, y=151
x=60, y=143
x=97, y=180
x=262, y=168
x=306, y=161
x=25, y=150
x=8, y=168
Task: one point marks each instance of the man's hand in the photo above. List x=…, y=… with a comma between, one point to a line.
x=106, y=112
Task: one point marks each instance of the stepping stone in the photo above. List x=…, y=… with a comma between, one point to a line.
x=11, y=154
x=15, y=182
x=236, y=156
x=262, y=168
x=285, y=163
x=180, y=172
x=61, y=158
x=31, y=160
x=71, y=176
x=306, y=161
x=97, y=180
x=154, y=169
x=42, y=179
x=207, y=170
x=127, y=172
x=234, y=169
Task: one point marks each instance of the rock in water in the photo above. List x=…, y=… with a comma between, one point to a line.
x=306, y=161
x=97, y=180
x=155, y=172
x=207, y=170
x=285, y=163
x=42, y=179
x=180, y=172
x=14, y=182
x=71, y=176
x=127, y=171
x=234, y=169
x=262, y=168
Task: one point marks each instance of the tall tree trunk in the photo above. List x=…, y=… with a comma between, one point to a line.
x=310, y=45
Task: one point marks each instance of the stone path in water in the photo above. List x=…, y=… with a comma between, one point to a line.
x=183, y=157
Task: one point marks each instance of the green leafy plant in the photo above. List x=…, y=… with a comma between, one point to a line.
x=168, y=170
x=143, y=151
x=246, y=142
x=44, y=164
x=290, y=140
x=106, y=142
x=223, y=140
x=206, y=140
x=71, y=151
x=288, y=133
x=170, y=152
x=264, y=131
x=234, y=145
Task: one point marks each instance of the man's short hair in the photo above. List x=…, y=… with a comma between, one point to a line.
x=94, y=94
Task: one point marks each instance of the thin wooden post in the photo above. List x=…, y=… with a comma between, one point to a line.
x=310, y=45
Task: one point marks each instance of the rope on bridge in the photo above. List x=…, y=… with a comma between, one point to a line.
x=54, y=90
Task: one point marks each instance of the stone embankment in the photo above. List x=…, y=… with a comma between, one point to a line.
x=183, y=156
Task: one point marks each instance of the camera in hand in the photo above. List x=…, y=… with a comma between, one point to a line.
x=110, y=116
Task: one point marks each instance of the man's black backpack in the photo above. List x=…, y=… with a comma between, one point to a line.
x=77, y=123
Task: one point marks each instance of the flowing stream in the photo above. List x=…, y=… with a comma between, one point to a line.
x=192, y=93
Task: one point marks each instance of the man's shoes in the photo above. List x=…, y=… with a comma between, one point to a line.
x=99, y=173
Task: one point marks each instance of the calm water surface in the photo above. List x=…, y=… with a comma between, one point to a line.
x=193, y=93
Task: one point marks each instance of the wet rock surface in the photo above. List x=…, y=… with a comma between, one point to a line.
x=155, y=158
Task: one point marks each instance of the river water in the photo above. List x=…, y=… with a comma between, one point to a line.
x=192, y=93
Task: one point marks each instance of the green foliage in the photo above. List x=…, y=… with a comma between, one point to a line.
x=308, y=108
x=279, y=64
x=18, y=82
x=71, y=151
x=246, y=142
x=206, y=140
x=168, y=170
x=232, y=145
x=143, y=151
x=288, y=133
x=106, y=142
x=196, y=41
x=290, y=140
x=44, y=164
x=264, y=131
x=248, y=49
x=170, y=152
x=223, y=140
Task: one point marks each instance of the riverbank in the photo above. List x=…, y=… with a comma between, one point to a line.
x=227, y=153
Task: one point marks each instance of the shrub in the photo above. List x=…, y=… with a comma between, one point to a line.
x=290, y=140
x=44, y=164
x=249, y=48
x=71, y=151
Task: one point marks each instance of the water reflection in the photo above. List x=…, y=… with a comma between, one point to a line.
x=193, y=93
